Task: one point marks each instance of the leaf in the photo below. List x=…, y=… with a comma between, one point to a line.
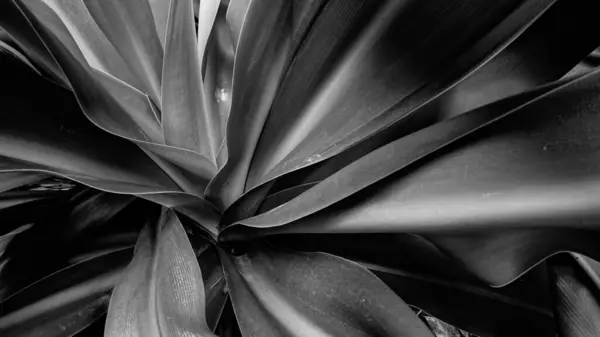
x=162, y=292
x=129, y=26
x=426, y=278
x=351, y=84
x=515, y=69
x=65, y=302
x=386, y=161
x=259, y=64
x=218, y=76
x=160, y=12
x=187, y=122
x=8, y=49
x=61, y=139
x=96, y=104
x=10, y=180
x=95, y=47
x=23, y=35
x=75, y=223
x=276, y=293
x=576, y=295
x=236, y=13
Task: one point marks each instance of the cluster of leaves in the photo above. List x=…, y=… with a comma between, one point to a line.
x=299, y=168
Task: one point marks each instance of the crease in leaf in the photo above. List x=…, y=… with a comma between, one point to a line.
x=186, y=118
x=162, y=292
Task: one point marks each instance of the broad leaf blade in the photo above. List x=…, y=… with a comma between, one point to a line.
x=259, y=63
x=426, y=278
x=97, y=50
x=129, y=25
x=576, y=294
x=278, y=293
x=162, y=292
x=17, y=27
x=355, y=97
x=390, y=159
x=65, y=302
x=187, y=121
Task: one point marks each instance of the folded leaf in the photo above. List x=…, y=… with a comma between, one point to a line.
x=162, y=292
x=344, y=88
x=576, y=293
x=187, y=122
x=259, y=64
x=276, y=293
x=96, y=48
x=17, y=27
x=129, y=26
x=382, y=163
x=65, y=302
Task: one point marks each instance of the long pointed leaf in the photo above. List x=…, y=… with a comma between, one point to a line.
x=186, y=120
x=355, y=97
x=389, y=159
x=10, y=180
x=129, y=25
x=278, y=293
x=162, y=293
x=259, y=64
x=94, y=45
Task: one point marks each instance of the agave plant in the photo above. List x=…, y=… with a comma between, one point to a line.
x=299, y=168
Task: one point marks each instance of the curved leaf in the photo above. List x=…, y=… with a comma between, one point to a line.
x=259, y=63
x=576, y=296
x=425, y=277
x=236, y=14
x=388, y=160
x=129, y=26
x=95, y=47
x=17, y=27
x=61, y=141
x=517, y=68
x=162, y=292
x=65, y=302
x=276, y=293
x=346, y=93
x=187, y=122
x=96, y=105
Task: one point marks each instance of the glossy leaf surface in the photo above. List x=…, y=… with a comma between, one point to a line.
x=130, y=27
x=277, y=293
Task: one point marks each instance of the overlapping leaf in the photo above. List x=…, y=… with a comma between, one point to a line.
x=277, y=293
x=162, y=292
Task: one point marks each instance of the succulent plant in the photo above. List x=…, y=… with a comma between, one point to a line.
x=299, y=168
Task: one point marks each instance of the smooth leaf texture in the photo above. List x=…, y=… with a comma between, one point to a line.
x=96, y=105
x=17, y=27
x=259, y=63
x=61, y=138
x=162, y=293
x=515, y=69
x=160, y=13
x=64, y=303
x=95, y=47
x=389, y=159
x=426, y=278
x=277, y=293
x=354, y=98
x=236, y=14
x=129, y=26
x=187, y=122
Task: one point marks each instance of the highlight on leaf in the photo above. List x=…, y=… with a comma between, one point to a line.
x=299, y=168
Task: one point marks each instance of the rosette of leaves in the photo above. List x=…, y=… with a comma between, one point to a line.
x=299, y=168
